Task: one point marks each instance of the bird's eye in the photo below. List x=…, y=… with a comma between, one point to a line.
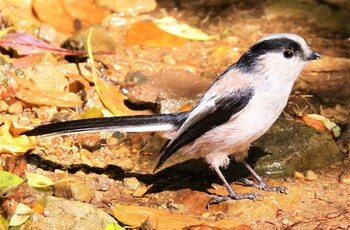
x=288, y=54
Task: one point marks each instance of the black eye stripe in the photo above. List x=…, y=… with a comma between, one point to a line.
x=278, y=45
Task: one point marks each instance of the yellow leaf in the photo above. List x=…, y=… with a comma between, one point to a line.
x=110, y=94
x=15, y=145
x=174, y=27
x=38, y=181
x=8, y=181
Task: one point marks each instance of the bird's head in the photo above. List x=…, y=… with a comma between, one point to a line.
x=282, y=55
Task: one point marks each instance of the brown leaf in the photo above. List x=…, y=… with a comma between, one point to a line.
x=67, y=16
x=29, y=92
x=135, y=216
x=317, y=124
x=16, y=165
x=147, y=33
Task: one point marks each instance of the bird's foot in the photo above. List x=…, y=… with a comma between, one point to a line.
x=233, y=196
x=263, y=186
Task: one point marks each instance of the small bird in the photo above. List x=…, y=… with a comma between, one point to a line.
x=238, y=108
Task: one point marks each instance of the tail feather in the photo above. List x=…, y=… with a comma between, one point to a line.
x=140, y=123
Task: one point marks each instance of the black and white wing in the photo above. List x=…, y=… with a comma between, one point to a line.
x=209, y=113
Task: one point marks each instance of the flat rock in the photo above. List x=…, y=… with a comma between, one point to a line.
x=181, y=85
x=289, y=146
x=67, y=214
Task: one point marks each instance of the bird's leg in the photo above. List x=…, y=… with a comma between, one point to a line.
x=261, y=183
x=232, y=194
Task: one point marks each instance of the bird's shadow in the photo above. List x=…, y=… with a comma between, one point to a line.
x=192, y=174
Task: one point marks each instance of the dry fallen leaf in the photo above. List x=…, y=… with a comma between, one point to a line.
x=322, y=124
x=110, y=94
x=21, y=215
x=172, y=26
x=147, y=33
x=67, y=16
x=15, y=145
x=135, y=216
x=29, y=92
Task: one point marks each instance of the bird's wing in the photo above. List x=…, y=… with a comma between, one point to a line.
x=205, y=116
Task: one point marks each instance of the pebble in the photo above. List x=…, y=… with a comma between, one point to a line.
x=15, y=108
x=299, y=175
x=3, y=106
x=131, y=183
x=123, y=152
x=126, y=164
x=311, y=175
x=77, y=190
x=286, y=222
x=90, y=142
x=130, y=7
x=345, y=178
x=140, y=191
x=205, y=215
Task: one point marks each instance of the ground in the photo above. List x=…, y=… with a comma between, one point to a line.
x=113, y=172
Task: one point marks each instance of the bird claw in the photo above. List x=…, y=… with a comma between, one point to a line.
x=264, y=186
x=219, y=199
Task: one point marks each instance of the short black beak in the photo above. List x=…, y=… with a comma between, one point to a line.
x=314, y=56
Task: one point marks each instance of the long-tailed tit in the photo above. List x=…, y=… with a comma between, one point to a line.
x=239, y=107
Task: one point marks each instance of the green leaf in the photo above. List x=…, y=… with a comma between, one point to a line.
x=91, y=113
x=8, y=181
x=38, y=181
x=5, y=31
x=113, y=226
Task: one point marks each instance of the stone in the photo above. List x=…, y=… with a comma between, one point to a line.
x=298, y=175
x=15, y=108
x=126, y=164
x=131, y=183
x=140, y=191
x=172, y=85
x=68, y=214
x=345, y=178
x=131, y=7
x=310, y=175
x=290, y=146
x=3, y=106
x=77, y=190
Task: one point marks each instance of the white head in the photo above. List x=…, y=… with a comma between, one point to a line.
x=277, y=55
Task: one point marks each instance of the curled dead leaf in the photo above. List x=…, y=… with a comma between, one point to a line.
x=322, y=124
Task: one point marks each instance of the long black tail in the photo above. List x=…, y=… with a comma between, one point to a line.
x=140, y=123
